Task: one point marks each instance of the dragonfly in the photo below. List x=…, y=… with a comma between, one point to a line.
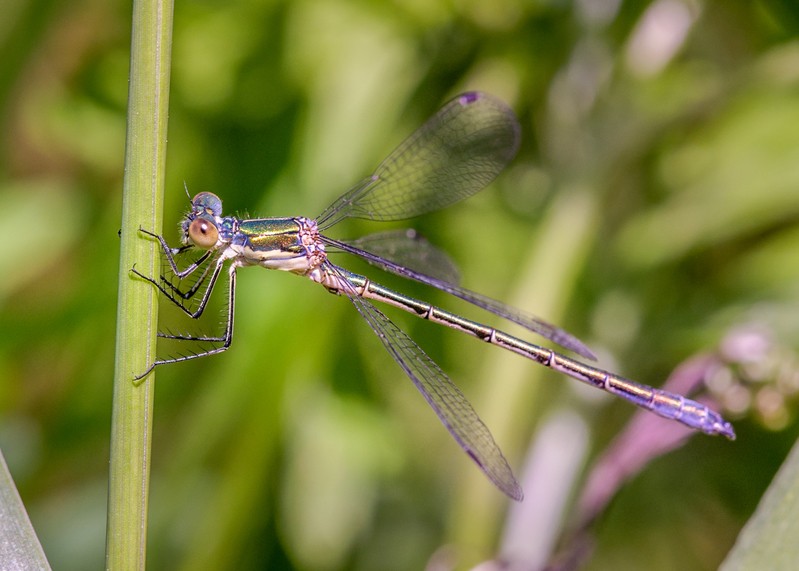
x=452, y=156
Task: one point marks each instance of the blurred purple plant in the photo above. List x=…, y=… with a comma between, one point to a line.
x=749, y=375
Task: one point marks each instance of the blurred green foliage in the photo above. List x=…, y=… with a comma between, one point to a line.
x=652, y=208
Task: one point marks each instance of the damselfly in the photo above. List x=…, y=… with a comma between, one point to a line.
x=451, y=157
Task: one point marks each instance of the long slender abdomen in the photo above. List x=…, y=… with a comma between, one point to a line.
x=663, y=403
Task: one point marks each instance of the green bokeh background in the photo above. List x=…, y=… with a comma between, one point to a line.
x=652, y=208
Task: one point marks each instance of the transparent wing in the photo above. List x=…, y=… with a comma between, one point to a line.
x=406, y=268
x=441, y=394
x=452, y=156
x=409, y=249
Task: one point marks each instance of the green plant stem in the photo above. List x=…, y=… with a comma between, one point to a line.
x=137, y=315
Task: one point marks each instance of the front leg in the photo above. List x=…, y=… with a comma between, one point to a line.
x=170, y=254
x=171, y=296
x=225, y=339
x=190, y=293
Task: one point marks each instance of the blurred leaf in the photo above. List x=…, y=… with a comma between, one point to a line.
x=738, y=175
x=785, y=14
x=326, y=509
x=20, y=548
x=769, y=539
x=26, y=205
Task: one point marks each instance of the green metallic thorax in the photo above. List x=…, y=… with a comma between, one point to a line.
x=272, y=234
x=274, y=243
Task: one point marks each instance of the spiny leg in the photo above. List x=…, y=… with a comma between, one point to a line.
x=205, y=297
x=225, y=339
x=170, y=254
x=192, y=291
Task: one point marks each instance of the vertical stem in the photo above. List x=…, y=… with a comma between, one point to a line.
x=550, y=271
x=137, y=315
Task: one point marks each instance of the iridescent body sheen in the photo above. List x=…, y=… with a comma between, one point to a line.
x=454, y=155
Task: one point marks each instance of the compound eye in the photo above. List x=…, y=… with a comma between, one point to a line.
x=203, y=233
